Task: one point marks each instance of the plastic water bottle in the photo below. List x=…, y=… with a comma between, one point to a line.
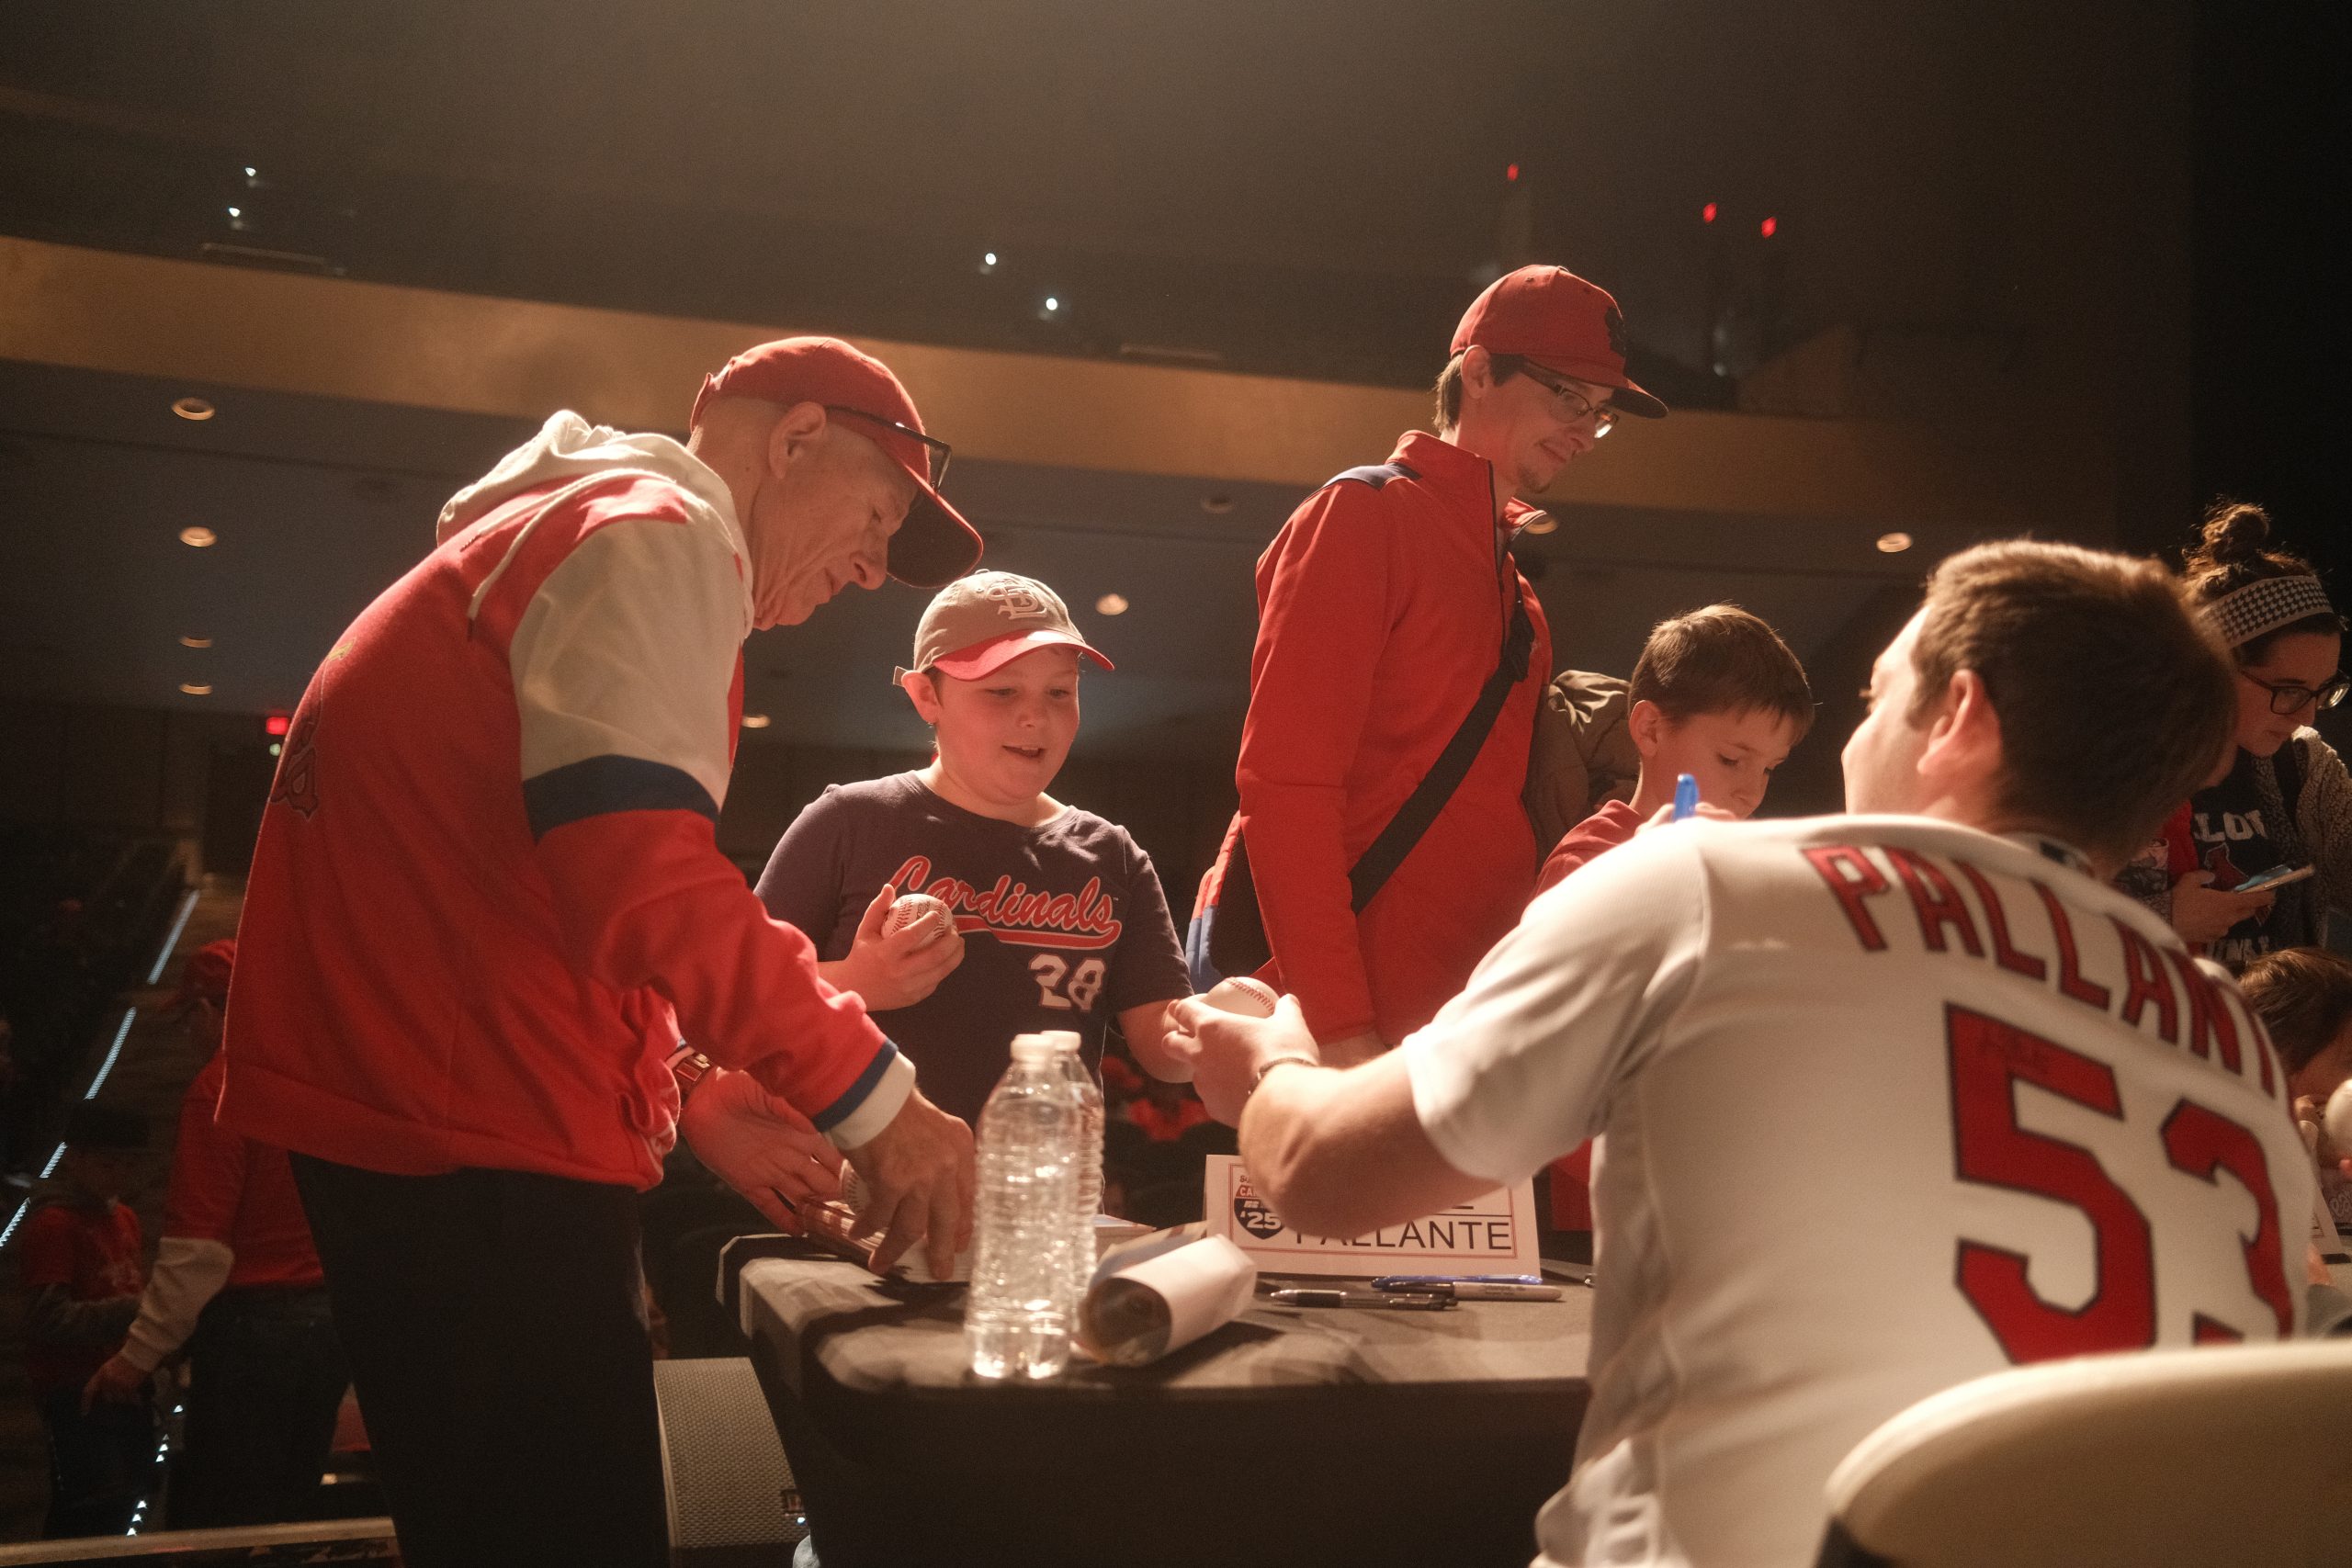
x=1018, y=1316
x=1088, y=1200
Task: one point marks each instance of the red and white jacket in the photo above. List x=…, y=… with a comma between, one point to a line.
x=488, y=896
x=1381, y=606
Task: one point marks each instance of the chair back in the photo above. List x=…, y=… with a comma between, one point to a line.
x=2223, y=1454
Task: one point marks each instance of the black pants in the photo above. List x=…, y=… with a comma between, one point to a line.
x=495, y=1329
x=101, y=1462
x=265, y=1378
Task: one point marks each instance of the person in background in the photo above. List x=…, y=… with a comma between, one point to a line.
x=2286, y=800
x=2303, y=995
x=1389, y=606
x=80, y=1262
x=1979, y=1101
x=237, y=1282
x=1060, y=922
x=1715, y=695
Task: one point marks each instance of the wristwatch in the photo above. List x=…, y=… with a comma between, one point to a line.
x=688, y=1065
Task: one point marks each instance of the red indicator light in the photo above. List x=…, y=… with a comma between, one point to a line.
x=1512, y=174
x=1770, y=227
x=277, y=724
x=1707, y=213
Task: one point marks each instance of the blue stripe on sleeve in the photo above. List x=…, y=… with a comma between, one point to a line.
x=602, y=784
x=840, y=1109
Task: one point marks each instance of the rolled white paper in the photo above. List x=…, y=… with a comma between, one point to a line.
x=1166, y=1301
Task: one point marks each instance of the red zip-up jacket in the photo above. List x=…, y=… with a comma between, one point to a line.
x=1382, y=607
x=488, y=896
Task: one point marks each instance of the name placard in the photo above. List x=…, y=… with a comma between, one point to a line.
x=1493, y=1233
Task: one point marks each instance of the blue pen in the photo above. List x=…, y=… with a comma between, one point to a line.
x=1686, y=796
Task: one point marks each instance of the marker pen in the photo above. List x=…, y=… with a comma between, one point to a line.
x=1686, y=796
x=1476, y=1291
x=1361, y=1298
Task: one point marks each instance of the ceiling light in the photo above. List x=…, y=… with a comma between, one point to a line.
x=192, y=408
x=1111, y=605
x=236, y=212
x=249, y=171
x=988, y=260
x=196, y=688
x=196, y=642
x=756, y=721
x=1894, y=544
x=1217, y=506
x=198, y=536
x=1539, y=522
x=1052, y=304
x=277, y=748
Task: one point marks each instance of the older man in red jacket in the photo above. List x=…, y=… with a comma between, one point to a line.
x=488, y=904
x=1384, y=607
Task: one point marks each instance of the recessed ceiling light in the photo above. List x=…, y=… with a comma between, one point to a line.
x=193, y=408
x=1217, y=506
x=1894, y=544
x=1539, y=522
x=756, y=721
x=1052, y=304
x=196, y=642
x=198, y=536
x=196, y=688
x=277, y=748
x=1111, y=605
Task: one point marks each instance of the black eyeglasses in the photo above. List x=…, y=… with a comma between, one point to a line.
x=939, y=450
x=1574, y=405
x=2293, y=696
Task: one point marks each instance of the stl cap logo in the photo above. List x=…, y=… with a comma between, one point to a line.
x=1614, y=321
x=1014, y=598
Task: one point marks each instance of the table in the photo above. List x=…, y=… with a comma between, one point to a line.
x=1291, y=1437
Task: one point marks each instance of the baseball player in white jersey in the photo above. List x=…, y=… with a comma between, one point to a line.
x=1890, y=1101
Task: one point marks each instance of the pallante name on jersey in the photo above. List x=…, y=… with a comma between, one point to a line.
x=2163, y=990
x=1010, y=912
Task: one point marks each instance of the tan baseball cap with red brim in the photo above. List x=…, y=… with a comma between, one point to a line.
x=934, y=545
x=1567, y=325
x=979, y=623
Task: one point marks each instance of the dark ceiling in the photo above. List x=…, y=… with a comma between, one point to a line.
x=1311, y=189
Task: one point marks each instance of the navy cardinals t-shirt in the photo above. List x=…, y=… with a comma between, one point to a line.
x=1063, y=925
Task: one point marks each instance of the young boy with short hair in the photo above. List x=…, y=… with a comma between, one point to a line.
x=1716, y=694
x=82, y=1273
x=1061, y=921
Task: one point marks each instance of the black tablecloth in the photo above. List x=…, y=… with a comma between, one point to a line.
x=1293, y=1436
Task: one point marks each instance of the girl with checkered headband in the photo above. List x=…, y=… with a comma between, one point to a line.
x=2285, y=799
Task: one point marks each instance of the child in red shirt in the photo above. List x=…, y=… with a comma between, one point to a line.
x=1718, y=696
x=82, y=1277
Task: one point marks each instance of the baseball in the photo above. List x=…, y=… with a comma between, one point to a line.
x=919, y=909
x=2336, y=1120
x=1252, y=999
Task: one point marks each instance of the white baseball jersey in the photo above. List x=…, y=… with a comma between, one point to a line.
x=1888, y=1104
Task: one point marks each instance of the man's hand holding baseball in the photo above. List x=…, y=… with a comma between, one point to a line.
x=1231, y=1051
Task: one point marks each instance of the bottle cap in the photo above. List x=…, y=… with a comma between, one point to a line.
x=1031, y=1048
x=1061, y=1039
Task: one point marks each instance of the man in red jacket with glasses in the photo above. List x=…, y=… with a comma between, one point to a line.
x=488, y=905
x=1384, y=605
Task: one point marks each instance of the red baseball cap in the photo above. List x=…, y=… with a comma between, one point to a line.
x=934, y=545
x=1568, y=326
